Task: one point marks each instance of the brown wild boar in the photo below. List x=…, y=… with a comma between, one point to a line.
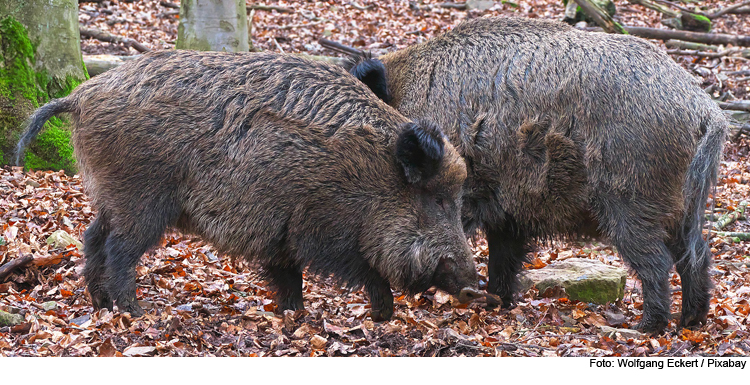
x=283, y=161
x=643, y=145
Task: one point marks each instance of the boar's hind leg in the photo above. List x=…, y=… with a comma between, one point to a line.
x=96, y=257
x=640, y=244
x=130, y=236
x=507, y=254
x=381, y=297
x=286, y=281
x=696, y=283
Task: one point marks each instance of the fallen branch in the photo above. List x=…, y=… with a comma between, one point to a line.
x=681, y=8
x=733, y=235
x=656, y=7
x=98, y=64
x=736, y=106
x=730, y=9
x=706, y=38
x=600, y=16
x=361, y=7
x=167, y=4
x=21, y=261
x=729, y=218
x=679, y=44
x=727, y=52
x=292, y=26
x=269, y=8
x=340, y=48
x=666, y=34
x=743, y=129
x=453, y=5
x=106, y=37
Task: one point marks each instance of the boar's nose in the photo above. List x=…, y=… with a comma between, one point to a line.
x=469, y=294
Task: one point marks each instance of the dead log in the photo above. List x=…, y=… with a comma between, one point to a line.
x=666, y=34
x=736, y=106
x=109, y=38
x=98, y=64
x=600, y=16
x=736, y=8
x=729, y=218
x=21, y=261
x=734, y=236
x=269, y=8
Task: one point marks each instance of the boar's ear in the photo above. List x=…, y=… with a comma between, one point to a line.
x=371, y=72
x=420, y=150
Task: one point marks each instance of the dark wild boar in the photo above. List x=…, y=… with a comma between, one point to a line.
x=570, y=133
x=282, y=161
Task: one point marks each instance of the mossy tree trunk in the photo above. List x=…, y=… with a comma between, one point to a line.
x=41, y=60
x=213, y=25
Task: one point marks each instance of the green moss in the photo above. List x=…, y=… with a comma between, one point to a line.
x=52, y=149
x=694, y=22
x=22, y=89
x=17, y=77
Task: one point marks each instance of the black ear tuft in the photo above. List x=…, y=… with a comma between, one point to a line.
x=371, y=72
x=420, y=150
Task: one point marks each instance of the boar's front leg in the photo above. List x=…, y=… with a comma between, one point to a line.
x=381, y=298
x=507, y=254
x=286, y=281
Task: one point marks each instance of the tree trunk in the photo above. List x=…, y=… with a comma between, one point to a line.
x=41, y=60
x=213, y=25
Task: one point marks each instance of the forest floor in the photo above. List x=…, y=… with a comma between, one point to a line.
x=199, y=303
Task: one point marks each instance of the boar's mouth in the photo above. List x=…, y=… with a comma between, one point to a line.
x=469, y=294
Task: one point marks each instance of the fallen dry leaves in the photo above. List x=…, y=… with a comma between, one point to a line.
x=200, y=304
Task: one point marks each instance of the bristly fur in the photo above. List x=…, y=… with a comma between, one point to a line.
x=286, y=162
x=570, y=132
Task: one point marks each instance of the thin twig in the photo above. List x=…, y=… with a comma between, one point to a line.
x=276, y=42
x=106, y=37
x=292, y=26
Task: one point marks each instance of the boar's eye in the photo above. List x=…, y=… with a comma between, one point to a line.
x=439, y=201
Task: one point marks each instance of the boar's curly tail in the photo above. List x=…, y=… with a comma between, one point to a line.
x=35, y=123
x=701, y=177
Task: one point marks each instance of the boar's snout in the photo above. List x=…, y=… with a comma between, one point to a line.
x=469, y=294
x=455, y=277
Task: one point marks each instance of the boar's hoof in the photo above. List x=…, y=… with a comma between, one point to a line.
x=131, y=307
x=101, y=300
x=379, y=315
x=134, y=310
x=289, y=303
x=651, y=326
x=691, y=321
